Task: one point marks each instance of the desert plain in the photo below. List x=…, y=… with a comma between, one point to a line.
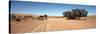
x=53, y=23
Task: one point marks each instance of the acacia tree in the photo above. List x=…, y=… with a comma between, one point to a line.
x=75, y=13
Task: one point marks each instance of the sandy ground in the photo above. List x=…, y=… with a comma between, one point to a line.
x=52, y=24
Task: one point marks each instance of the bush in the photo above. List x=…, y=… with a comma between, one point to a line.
x=18, y=20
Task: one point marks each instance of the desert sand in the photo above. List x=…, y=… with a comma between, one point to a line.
x=52, y=24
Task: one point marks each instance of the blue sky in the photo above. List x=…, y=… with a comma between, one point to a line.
x=51, y=9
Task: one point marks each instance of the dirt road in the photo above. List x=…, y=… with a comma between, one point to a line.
x=52, y=24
